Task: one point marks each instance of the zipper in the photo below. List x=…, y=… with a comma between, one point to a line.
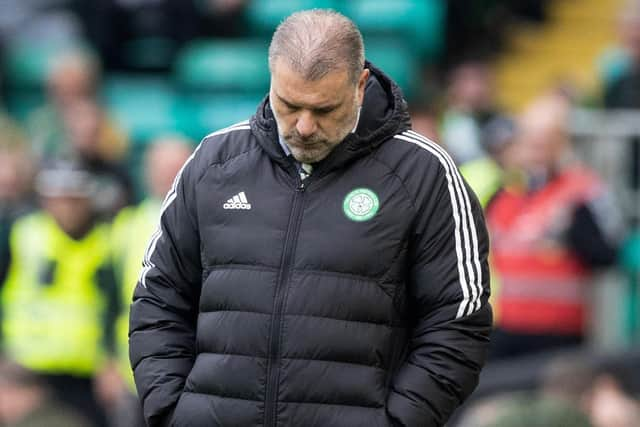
x=273, y=365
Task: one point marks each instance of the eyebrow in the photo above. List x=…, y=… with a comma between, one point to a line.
x=291, y=105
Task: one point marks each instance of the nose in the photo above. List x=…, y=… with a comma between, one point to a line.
x=306, y=125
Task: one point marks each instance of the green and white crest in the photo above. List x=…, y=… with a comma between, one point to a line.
x=361, y=204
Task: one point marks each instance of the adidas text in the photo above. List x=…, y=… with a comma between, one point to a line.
x=239, y=201
x=236, y=206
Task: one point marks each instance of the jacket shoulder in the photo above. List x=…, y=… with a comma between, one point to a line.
x=224, y=144
x=418, y=161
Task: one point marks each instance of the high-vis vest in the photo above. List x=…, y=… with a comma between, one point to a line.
x=484, y=176
x=52, y=304
x=543, y=283
x=132, y=229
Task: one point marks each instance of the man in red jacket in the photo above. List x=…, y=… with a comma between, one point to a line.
x=547, y=236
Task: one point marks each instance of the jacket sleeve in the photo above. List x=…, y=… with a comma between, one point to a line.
x=165, y=303
x=448, y=292
x=596, y=231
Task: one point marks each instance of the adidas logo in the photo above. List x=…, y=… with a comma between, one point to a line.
x=239, y=201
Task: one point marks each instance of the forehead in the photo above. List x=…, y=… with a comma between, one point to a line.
x=291, y=86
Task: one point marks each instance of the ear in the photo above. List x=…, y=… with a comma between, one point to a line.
x=362, y=82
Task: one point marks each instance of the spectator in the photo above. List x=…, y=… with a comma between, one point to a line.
x=15, y=180
x=471, y=105
x=75, y=77
x=622, y=75
x=26, y=401
x=82, y=121
x=541, y=413
x=424, y=119
x=15, y=166
x=487, y=174
x=548, y=235
x=524, y=409
x=576, y=379
x=131, y=229
x=59, y=299
x=610, y=406
x=623, y=92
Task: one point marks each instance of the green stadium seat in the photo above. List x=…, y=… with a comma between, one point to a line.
x=200, y=115
x=27, y=63
x=420, y=22
x=265, y=15
x=21, y=103
x=142, y=105
x=397, y=60
x=149, y=53
x=223, y=66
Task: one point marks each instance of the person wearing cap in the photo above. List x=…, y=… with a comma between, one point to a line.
x=58, y=299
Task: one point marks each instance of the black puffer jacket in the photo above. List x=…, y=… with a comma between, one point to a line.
x=355, y=298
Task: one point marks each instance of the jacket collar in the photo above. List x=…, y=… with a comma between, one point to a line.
x=384, y=114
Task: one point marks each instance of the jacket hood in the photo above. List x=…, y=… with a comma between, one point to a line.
x=384, y=114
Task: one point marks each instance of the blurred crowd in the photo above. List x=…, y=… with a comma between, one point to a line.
x=75, y=217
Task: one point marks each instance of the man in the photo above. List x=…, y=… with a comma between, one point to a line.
x=548, y=235
x=74, y=79
x=58, y=301
x=318, y=265
x=163, y=161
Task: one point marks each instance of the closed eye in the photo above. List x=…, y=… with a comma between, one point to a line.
x=324, y=110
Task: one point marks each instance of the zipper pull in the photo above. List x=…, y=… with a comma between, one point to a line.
x=301, y=186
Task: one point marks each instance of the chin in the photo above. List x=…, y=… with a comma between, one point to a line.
x=309, y=156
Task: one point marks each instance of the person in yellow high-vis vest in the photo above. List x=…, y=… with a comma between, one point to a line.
x=131, y=229
x=59, y=296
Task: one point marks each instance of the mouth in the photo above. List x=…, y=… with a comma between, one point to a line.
x=303, y=144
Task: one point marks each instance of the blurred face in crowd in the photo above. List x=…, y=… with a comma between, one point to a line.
x=630, y=32
x=471, y=88
x=73, y=213
x=314, y=116
x=83, y=119
x=14, y=173
x=163, y=162
x=426, y=124
x=543, y=139
x=71, y=78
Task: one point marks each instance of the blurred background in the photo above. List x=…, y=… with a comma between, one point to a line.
x=537, y=101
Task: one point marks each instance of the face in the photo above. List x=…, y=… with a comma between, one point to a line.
x=472, y=87
x=542, y=143
x=630, y=34
x=314, y=116
x=15, y=174
x=71, y=213
x=69, y=83
x=163, y=164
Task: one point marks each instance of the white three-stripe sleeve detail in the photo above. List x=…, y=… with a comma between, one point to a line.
x=472, y=225
x=466, y=218
x=171, y=196
x=456, y=218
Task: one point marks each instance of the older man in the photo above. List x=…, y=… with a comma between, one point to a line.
x=318, y=265
x=549, y=233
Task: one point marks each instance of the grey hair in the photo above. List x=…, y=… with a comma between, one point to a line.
x=316, y=42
